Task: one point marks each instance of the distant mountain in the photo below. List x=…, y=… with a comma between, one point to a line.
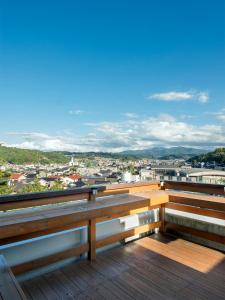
x=217, y=156
x=166, y=153
x=25, y=156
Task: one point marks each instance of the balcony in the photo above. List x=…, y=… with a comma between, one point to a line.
x=147, y=240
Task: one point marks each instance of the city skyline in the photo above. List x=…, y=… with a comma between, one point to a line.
x=112, y=76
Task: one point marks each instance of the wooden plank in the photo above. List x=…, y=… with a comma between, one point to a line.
x=127, y=213
x=83, y=248
x=202, y=201
x=199, y=233
x=196, y=210
x=92, y=240
x=129, y=188
x=213, y=189
x=72, y=226
x=9, y=287
x=39, y=202
x=128, y=233
x=42, y=233
x=162, y=218
x=167, y=270
x=132, y=185
x=9, y=202
x=45, y=219
x=155, y=197
x=47, y=260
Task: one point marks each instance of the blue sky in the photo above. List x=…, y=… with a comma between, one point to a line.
x=112, y=75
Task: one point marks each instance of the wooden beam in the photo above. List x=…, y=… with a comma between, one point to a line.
x=196, y=210
x=41, y=262
x=9, y=202
x=202, y=201
x=49, y=218
x=162, y=218
x=92, y=240
x=125, y=234
x=213, y=189
x=42, y=233
x=47, y=260
x=192, y=231
x=127, y=213
x=72, y=226
x=43, y=201
x=129, y=188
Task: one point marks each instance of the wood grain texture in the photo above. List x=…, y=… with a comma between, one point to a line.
x=157, y=267
x=202, y=201
x=196, y=210
x=125, y=234
x=47, y=260
x=31, y=235
x=213, y=189
x=9, y=202
x=92, y=240
x=199, y=233
x=45, y=219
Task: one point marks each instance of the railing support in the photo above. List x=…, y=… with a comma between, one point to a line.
x=93, y=194
x=92, y=240
x=162, y=218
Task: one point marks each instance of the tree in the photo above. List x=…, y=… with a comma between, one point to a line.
x=33, y=187
x=4, y=175
x=4, y=189
x=57, y=186
x=132, y=169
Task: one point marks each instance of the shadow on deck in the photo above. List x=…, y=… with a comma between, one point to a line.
x=155, y=267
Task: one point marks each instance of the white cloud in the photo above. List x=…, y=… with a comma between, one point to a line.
x=130, y=115
x=76, y=112
x=220, y=115
x=201, y=96
x=163, y=130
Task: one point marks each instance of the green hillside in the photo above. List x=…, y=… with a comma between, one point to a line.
x=24, y=156
x=218, y=156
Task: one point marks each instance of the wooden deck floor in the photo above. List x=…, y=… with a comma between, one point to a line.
x=156, y=267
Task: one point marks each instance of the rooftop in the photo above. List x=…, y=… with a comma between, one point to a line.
x=155, y=267
x=146, y=240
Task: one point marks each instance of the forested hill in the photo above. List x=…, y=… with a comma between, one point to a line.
x=218, y=156
x=24, y=156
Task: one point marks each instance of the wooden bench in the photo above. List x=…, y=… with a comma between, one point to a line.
x=9, y=287
x=27, y=224
x=198, y=204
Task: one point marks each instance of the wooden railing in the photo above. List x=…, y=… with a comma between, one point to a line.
x=16, y=201
x=136, y=198
x=211, y=189
x=194, y=198
x=127, y=200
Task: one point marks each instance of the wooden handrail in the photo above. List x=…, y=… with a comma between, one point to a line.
x=198, y=204
x=212, y=189
x=29, y=224
x=9, y=202
x=135, y=199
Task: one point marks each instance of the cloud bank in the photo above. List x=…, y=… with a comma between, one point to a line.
x=164, y=130
x=200, y=96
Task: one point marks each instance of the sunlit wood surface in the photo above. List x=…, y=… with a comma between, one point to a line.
x=156, y=267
